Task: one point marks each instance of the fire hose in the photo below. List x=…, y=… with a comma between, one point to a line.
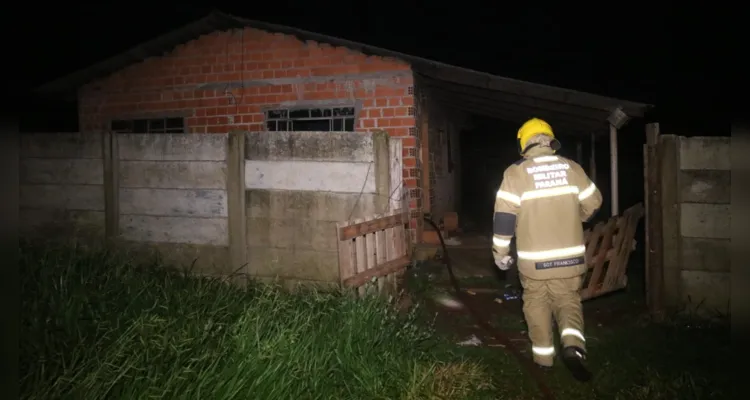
x=481, y=319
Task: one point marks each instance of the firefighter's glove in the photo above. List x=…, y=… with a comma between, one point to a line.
x=504, y=263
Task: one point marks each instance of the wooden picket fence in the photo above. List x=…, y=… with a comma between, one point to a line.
x=608, y=248
x=374, y=249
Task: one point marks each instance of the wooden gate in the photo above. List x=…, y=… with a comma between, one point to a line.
x=375, y=249
x=608, y=248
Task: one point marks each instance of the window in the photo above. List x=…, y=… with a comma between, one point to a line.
x=333, y=119
x=152, y=125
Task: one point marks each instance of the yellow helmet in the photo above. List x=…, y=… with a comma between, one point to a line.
x=531, y=128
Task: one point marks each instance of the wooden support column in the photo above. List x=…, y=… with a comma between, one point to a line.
x=579, y=152
x=236, y=201
x=111, y=158
x=424, y=141
x=671, y=221
x=592, y=160
x=654, y=223
x=614, y=172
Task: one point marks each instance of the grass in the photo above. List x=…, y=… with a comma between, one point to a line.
x=97, y=325
x=637, y=360
x=684, y=357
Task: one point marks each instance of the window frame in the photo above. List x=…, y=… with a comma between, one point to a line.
x=355, y=106
x=149, y=121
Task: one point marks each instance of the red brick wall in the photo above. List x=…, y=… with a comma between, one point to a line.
x=170, y=84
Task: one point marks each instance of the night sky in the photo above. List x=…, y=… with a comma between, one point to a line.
x=656, y=57
x=653, y=57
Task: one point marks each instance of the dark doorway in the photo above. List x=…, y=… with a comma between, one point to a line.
x=486, y=151
x=490, y=147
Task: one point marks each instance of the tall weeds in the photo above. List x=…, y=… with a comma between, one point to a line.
x=97, y=325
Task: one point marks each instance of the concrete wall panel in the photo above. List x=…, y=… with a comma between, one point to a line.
x=705, y=220
x=709, y=153
x=300, y=234
x=325, y=206
x=706, y=254
x=211, y=231
x=309, y=146
x=79, y=171
x=172, y=147
x=203, y=260
x=705, y=186
x=346, y=177
x=34, y=220
x=706, y=292
x=174, y=202
x=696, y=191
x=61, y=145
x=67, y=197
x=173, y=174
x=294, y=263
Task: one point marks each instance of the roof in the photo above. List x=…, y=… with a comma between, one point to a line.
x=455, y=87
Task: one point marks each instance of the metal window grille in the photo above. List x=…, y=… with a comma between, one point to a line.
x=326, y=119
x=151, y=125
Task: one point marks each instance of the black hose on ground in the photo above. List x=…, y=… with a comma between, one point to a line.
x=482, y=321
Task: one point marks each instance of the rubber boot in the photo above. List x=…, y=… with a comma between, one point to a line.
x=574, y=358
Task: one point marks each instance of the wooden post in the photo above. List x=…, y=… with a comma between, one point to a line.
x=671, y=239
x=592, y=161
x=236, y=201
x=654, y=223
x=110, y=159
x=347, y=254
x=382, y=170
x=579, y=152
x=424, y=142
x=614, y=172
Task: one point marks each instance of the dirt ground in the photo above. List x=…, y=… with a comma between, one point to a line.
x=506, y=314
x=633, y=357
x=473, y=267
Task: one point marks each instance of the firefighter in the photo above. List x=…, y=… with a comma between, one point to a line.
x=543, y=201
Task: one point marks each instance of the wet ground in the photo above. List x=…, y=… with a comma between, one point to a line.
x=632, y=357
x=502, y=306
x=497, y=295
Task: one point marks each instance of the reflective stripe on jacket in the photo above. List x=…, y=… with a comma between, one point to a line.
x=544, y=200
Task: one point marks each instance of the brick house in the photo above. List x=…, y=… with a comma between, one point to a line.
x=225, y=73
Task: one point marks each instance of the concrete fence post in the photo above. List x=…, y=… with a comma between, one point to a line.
x=397, y=190
x=382, y=169
x=110, y=160
x=236, y=201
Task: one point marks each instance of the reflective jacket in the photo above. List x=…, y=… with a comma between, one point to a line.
x=544, y=200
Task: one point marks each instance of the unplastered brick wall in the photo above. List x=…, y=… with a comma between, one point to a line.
x=225, y=80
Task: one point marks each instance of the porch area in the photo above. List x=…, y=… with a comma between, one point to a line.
x=491, y=109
